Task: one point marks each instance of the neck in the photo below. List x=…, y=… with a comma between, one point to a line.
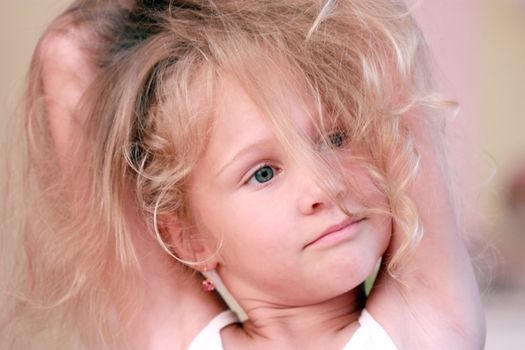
x=308, y=323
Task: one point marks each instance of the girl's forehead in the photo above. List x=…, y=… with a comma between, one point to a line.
x=241, y=128
x=271, y=87
x=280, y=107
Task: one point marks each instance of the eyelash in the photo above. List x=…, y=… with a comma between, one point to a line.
x=336, y=139
x=251, y=180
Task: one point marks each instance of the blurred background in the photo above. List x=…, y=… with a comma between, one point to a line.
x=479, y=48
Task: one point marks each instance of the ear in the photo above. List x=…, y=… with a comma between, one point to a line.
x=191, y=246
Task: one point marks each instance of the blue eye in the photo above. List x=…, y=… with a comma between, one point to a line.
x=334, y=140
x=337, y=139
x=263, y=174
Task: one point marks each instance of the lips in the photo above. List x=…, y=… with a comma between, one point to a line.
x=345, y=228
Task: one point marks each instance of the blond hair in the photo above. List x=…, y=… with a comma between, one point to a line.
x=360, y=64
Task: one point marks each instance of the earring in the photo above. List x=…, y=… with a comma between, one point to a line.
x=207, y=283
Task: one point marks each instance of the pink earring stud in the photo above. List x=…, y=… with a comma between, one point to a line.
x=207, y=283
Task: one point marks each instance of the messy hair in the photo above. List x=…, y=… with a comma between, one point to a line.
x=359, y=64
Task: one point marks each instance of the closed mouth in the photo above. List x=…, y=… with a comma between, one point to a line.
x=348, y=223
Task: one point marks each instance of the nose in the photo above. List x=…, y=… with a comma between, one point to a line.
x=314, y=197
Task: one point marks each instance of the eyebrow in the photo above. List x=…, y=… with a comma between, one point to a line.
x=244, y=152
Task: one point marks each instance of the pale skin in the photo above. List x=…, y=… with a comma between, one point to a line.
x=439, y=301
x=440, y=290
x=275, y=252
x=270, y=212
x=174, y=308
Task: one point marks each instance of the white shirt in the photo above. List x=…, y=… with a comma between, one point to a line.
x=369, y=336
x=209, y=338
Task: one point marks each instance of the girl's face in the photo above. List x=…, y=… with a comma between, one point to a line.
x=284, y=240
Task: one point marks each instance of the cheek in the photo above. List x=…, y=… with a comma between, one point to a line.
x=371, y=197
x=382, y=222
x=257, y=224
x=206, y=215
x=243, y=225
x=367, y=192
x=384, y=228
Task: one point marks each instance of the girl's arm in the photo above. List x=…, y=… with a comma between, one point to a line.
x=173, y=308
x=436, y=303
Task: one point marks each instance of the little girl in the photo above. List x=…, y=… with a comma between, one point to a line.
x=288, y=146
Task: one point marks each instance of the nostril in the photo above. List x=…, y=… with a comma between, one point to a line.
x=316, y=205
